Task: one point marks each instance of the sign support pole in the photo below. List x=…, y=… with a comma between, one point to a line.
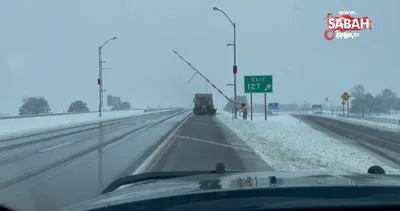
x=343, y=109
x=300, y=115
x=232, y=112
x=265, y=106
x=251, y=106
x=345, y=97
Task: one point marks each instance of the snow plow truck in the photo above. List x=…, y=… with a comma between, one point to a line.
x=203, y=104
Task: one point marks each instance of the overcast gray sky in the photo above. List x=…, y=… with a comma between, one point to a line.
x=49, y=48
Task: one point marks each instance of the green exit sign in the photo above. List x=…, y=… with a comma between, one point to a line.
x=258, y=84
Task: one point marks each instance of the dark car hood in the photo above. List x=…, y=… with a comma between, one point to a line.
x=231, y=181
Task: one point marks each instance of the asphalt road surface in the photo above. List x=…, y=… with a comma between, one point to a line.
x=202, y=142
x=49, y=175
x=386, y=145
x=51, y=171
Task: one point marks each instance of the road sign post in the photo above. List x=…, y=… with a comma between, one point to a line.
x=343, y=103
x=345, y=100
x=273, y=107
x=265, y=106
x=258, y=84
x=251, y=107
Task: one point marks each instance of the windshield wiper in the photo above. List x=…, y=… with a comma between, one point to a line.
x=220, y=169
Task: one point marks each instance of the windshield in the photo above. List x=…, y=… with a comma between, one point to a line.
x=93, y=90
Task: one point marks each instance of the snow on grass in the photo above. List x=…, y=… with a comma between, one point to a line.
x=21, y=126
x=394, y=114
x=372, y=124
x=368, y=123
x=289, y=145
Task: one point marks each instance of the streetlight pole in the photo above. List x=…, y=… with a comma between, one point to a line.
x=234, y=57
x=234, y=65
x=100, y=79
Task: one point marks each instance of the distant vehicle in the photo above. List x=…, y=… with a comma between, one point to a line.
x=203, y=104
x=317, y=109
x=224, y=189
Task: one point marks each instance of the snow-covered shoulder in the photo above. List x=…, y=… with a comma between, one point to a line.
x=287, y=144
x=24, y=126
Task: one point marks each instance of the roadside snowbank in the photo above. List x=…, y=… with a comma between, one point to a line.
x=288, y=145
x=13, y=127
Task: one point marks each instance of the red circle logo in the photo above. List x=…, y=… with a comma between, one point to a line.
x=329, y=34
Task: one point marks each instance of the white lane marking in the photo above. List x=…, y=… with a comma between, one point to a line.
x=160, y=150
x=57, y=146
x=206, y=124
x=214, y=143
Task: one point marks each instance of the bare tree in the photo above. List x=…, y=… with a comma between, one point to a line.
x=357, y=91
x=357, y=99
x=388, y=98
x=369, y=101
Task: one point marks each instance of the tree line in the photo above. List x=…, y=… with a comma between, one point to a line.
x=39, y=105
x=363, y=102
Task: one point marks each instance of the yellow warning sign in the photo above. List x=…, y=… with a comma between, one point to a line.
x=345, y=96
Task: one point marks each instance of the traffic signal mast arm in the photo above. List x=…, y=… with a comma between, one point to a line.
x=198, y=72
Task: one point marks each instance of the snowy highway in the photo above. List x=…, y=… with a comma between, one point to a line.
x=32, y=155
x=49, y=170
x=39, y=168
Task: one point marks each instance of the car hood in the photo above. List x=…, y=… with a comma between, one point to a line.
x=231, y=181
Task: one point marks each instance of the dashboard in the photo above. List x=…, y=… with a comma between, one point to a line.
x=293, y=198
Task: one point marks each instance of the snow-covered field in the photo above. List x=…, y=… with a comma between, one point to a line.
x=11, y=127
x=290, y=145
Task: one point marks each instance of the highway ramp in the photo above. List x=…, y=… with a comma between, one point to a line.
x=198, y=144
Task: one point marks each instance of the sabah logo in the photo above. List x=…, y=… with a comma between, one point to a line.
x=346, y=26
